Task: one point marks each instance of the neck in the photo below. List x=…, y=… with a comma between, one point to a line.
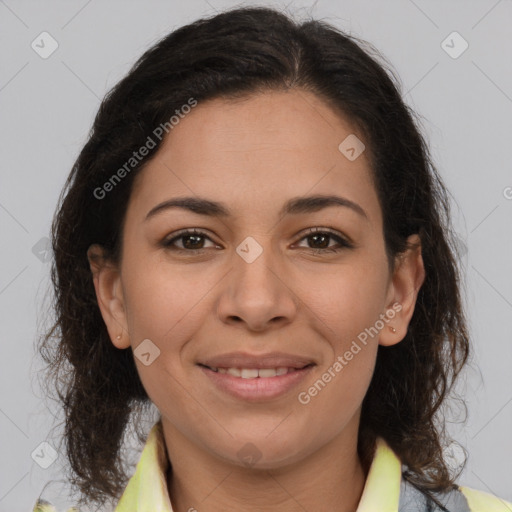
x=331, y=478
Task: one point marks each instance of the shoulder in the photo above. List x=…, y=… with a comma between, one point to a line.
x=457, y=499
x=480, y=501
x=45, y=506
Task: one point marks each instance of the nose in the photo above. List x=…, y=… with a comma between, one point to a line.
x=257, y=292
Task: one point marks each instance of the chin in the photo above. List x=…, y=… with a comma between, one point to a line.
x=260, y=453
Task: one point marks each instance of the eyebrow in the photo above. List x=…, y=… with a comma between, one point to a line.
x=294, y=206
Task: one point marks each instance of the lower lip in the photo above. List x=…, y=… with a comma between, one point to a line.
x=256, y=389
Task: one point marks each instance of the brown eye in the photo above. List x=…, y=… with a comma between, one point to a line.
x=322, y=236
x=191, y=241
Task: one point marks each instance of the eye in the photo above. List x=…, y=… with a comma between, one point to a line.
x=193, y=243
x=319, y=235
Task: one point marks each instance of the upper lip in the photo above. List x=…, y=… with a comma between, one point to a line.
x=245, y=360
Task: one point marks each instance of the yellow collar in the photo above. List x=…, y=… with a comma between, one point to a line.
x=147, y=489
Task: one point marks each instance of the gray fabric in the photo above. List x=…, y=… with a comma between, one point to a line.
x=413, y=500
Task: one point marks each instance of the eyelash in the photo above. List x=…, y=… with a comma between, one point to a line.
x=345, y=244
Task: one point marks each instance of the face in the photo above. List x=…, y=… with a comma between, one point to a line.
x=255, y=286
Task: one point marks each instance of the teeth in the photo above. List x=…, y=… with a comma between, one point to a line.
x=268, y=372
x=249, y=373
x=252, y=373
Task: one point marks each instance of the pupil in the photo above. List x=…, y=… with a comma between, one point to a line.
x=196, y=237
x=322, y=236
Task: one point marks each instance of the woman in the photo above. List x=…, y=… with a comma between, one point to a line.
x=254, y=239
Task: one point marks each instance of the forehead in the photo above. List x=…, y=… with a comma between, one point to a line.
x=256, y=153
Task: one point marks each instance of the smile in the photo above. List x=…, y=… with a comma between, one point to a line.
x=253, y=373
x=256, y=384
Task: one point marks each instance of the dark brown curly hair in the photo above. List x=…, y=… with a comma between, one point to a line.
x=233, y=54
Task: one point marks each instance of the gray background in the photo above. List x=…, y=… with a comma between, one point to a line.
x=47, y=107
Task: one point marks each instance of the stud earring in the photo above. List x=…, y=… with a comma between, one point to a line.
x=392, y=329
x=118, y=337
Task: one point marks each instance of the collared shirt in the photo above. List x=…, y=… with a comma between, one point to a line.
x=384, y=490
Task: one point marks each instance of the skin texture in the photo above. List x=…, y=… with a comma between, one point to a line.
x=254, y=155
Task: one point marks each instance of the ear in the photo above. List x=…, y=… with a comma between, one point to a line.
x=107, y=283
x=408, y=277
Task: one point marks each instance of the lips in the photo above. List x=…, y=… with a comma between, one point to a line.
x=256, y=377
x=253, y=373
x=253, y=388
x=271, y=360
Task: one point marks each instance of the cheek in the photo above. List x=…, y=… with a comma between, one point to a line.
x=162, y=300
x=162, y=306
x=333, y=399
x=348, y=301
x=350, y=308
x=167, y=306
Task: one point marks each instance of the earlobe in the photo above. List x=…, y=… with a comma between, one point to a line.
x=407, y=279
x=107, y=284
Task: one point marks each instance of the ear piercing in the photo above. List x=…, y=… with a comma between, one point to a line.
x=392, y=329
x=118, y=337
